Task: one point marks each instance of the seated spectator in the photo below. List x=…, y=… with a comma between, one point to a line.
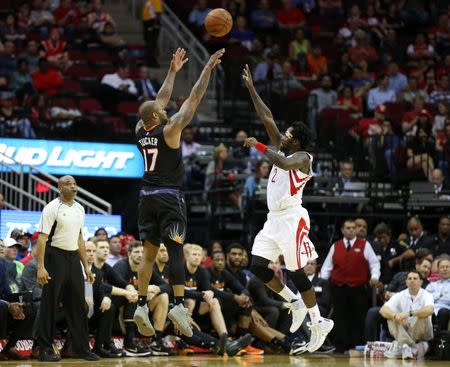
x=54, y=49
x=287, y=81
x=388, y=144
x=381, y=94
x=146, y=86
x=420, y=51
x=188, y=145
x=360, y=82
x=336, y=185
x=317, y=62
x=397, y=80
x=420, y=152
x=440, y=291
x=12, y=122
x=31, y=54
x=97, y=17
x=409, y=319
x=242, y=34
x=40, y=18
x=68, y=120
x=23, y=16
x=11, y=32
x=412, y=91
x=110, y=37
x=289, y=17
x=115, y=250
x=438, y=179
x=47, y=80
x=21, y=82
x=198, y=15
x=413, y=12
x=7, y=60
x=410, y=118
x=266, y=70
x=442, y=93
x=368, y=127
x=299, y=46
x=12, y=248
x=362, y=51
x=441, y=116
x=252, y=183
x=263, y=18
x=389, y=50
x=331, y=8
x=117, y=87
x=349, y=102
x=441, y=243
x=308, y=6
x=301, y=68
x=67, y=15
x=324, y=96
x=443, y=151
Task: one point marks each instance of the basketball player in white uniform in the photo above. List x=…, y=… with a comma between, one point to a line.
x=286, y=229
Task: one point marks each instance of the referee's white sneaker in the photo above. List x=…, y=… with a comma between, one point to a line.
x=319, y=332
x=142, y=321
x=298, y=311
x=180, y=316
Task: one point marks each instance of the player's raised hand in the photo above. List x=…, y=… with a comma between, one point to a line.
x=214, y=60
x=178, y=59
x=250, y=142
x=247, y=77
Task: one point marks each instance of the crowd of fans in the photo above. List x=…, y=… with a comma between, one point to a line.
x=225, y=299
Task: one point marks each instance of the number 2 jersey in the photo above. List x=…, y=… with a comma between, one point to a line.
x=163, y=165
x=285, y=188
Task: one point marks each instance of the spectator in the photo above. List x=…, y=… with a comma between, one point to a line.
x=151, y=21
x=188, y=145
x=331, y=8
x=117, y=87
x=146, y=86
x=409, y=319
x=321, y=287
x=410, y=118
x=67, y=119
x=440, y=118
x=54, y=49
x=441, y=293
x=389, y=50
x=417, y=238
x=31, y=54
x=324, y=96
x=23, y=16
x=47, y=80
x=381, y=94
x=362, y=51
x=40, y=18
x=198, y=15
x=336, y=185
x=348, y=264
x=387, y=144
x=438, y=179
x=420, y=52
x=412, y=91
x=397, y=80
x=12, y=247
x=7, y=60
x=12, y=122
x=241, y=33
x=443, y=150
x=413, y=12
x=11, y=32
x=67, y=15
x=115, y=250
x=287, y=81
x=21, y=82
x=253, y=183
x=441, y=243
x=110, y=37
x=420, y=152
x=299, y=46
x=98, y=16
x=360, y=82
x=349, y=102
x=263, y=18
x=289, y=17
x=443, y=92
x=361, y=228
x=266, y=70
x=317, y=63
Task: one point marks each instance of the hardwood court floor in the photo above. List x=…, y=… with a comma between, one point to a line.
x=245, y=361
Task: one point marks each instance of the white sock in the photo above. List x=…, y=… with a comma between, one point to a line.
x=287, y=294
x=314, y=313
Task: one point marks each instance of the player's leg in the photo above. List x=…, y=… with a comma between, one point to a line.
x=217, y=321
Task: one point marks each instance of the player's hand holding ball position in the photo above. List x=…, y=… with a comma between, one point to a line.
x=214, y=60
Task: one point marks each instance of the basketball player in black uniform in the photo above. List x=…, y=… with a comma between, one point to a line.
x=162, y=210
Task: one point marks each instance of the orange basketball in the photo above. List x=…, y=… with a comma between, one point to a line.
x=218, y=22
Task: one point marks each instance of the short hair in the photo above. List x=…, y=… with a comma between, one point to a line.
x=381, y=77
x=415, y=272
x=113, y=236
x=97, y=240
x=348, y=220
x=443, y=257
x=189, y=247
x=235, y=245
x=215, y=253
x=100, y=229
x=303, y=134
x=132, y=245
x=346, y=161
x=422, y=253
x=420, y=261
x=382, y=228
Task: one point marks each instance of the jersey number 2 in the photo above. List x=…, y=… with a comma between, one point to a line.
x=150, y=157
x=274, y=175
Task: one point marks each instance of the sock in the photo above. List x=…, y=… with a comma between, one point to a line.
x=287, y=294
x=142, y=300
x=179, y=300
x=158, y=335
x=130, y=330
x=314, y=313
x=241, y=332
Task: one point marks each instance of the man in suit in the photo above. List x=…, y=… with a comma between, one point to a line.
x=147, y=88
x=438, y=179
x=336, y=184
x=441, y=242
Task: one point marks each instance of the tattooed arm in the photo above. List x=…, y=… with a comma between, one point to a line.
x=182, y=118
x=176, y=64
x=261, y=109
x=298, y=160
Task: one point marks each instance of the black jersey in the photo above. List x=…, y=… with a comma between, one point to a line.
x=163, y=165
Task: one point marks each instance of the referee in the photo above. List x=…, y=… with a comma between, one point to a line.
x=59, y=251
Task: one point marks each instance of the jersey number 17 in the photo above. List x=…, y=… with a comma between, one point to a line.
x=150, y=156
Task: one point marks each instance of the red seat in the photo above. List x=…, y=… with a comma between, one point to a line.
x=96, y=57
x=395, y=111
x=126, y=108
x=72, y=86
x=117, y=124
x=80, y=71
x=90, y=105
x=105, y=70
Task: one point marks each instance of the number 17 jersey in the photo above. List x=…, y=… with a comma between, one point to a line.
x=163, y=165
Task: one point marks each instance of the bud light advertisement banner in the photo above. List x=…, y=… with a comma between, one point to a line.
x=28, y=221
x=75, y=158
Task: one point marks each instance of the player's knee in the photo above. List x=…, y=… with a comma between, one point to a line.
x=215, y=303
x=176, y=257
x=300, y=279
x=263, y=273
x=163, y=299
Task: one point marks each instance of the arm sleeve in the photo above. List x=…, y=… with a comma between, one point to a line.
x=48, y=218
x=327, y=266
x=394, y=303
x=374, y=263
x=259, y=294
x=114, y=275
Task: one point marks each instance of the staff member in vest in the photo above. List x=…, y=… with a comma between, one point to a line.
x=348, y=265
x=60, y=249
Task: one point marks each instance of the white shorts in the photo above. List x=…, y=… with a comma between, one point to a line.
x=286, y=233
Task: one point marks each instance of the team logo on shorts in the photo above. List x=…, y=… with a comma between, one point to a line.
x=176, y=234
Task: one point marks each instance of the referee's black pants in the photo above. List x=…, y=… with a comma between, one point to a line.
x=66, y=286
x=350, y=306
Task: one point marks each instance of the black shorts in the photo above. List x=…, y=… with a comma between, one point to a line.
x=162, y=215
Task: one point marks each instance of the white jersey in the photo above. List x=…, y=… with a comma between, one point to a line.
x=285, y=188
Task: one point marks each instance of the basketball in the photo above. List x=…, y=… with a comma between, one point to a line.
x=218, y=22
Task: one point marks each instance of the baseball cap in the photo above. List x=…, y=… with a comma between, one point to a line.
x=11, y=242
x=425, y=112
x=381, y=108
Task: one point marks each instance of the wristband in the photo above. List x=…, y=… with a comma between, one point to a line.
x=261, y=147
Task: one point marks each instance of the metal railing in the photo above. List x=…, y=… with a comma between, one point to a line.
x=26, y=187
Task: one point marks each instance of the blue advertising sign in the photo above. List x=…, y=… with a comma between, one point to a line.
x=75, y=158
x=29, y=221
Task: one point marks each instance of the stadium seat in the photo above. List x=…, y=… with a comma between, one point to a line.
x=80, y=71
x=90, y=105
x=72, y=86
x=126, y=108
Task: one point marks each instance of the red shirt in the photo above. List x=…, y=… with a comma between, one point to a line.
x=59, y=13
x=409, y=116
x=363, y=125
x=355, y=101
x=362, y=53
x=49, y=82
x=54, y=50
x=292, y=17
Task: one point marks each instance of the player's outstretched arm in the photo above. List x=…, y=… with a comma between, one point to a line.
x=261, y=109
x=165, y=92
x=182, y=118
x=298, y=160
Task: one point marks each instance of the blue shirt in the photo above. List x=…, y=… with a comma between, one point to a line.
x=377, y=97
x=198, y=17
x=441, y=294
x=397, y=83
x=258, y=19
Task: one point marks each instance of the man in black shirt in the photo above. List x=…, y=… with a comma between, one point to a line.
x=162, y=209
x=441, y=244
x=161, y=266
x=157, y=297
x=235, y=256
